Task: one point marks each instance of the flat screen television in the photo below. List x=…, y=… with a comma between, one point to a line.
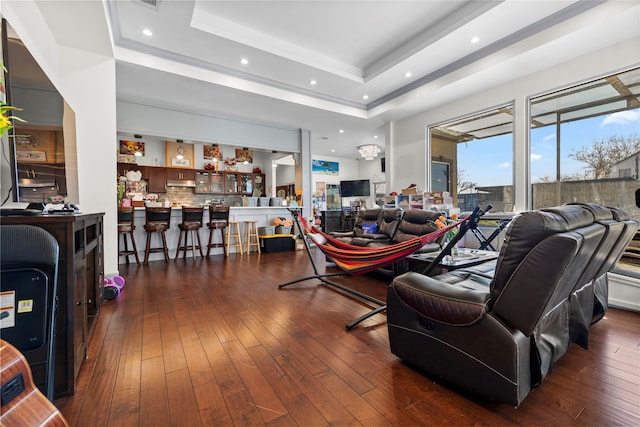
x=355, y=188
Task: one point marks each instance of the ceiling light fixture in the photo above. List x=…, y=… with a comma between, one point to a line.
x=341, y=131
x=369, y=151
x=408, y=74
x=313, y=82
x=138, y=152
x=365, y=96
x=179, y=150
x=475, y=39
x=244, y=61
x=147, y=32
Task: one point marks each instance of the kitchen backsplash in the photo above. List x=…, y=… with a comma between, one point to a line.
x=186, y=196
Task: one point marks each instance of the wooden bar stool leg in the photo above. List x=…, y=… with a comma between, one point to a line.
x=210, y=241
x=126, y=247
x=256, y=236
x=224, y=244
x=199, y=245
x=135, y=248
x=146, y=251
x=164, y=246
x=178, y=248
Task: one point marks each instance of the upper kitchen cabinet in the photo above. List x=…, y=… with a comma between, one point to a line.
x=179, y=174
x=40, y=164
x=156, y=178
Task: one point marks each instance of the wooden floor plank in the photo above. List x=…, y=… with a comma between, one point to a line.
x=215, y=342
x=125, y=405
x=154, y=401
x=183, y=407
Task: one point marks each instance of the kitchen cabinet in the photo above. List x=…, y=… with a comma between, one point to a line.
x=44, y=173
x=156, y=178
x=259, y=184
x=123, y=168
x=238, y=182
x=80, y=288
x=208, y=181
x=181, y=174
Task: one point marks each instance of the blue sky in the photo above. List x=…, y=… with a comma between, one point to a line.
x=490, y=161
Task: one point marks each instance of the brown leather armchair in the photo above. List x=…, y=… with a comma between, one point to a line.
x=498, y=331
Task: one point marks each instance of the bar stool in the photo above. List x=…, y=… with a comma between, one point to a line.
x=126, y=227
x=218, y=220
x=157, y=220
x=233, y=232
x=251, y=235
x=191, y=223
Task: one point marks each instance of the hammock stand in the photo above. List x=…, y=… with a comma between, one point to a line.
x=307, y=232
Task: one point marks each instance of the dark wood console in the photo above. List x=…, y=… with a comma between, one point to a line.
x=80, y=286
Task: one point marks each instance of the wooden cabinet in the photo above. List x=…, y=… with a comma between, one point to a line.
x=238, y=182
x=181, y=174
x=80, y=288
x=39, y=174
x=259, y=184
x=208, y=181
x=156, y=178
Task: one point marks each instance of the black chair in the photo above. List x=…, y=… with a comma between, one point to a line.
x=28, y=282
x=218, y=220
x=126, y=227
x=157, y=220
x=190, y=225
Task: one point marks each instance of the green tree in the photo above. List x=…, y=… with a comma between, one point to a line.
x=606, y=152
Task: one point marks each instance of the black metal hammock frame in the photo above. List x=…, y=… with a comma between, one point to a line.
x=355, y=260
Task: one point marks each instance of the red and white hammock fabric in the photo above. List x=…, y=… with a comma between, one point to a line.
x=361, y=259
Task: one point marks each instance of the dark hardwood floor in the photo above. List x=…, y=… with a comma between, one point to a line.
x=215, y=342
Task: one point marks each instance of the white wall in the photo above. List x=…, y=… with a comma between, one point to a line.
x=86, y=80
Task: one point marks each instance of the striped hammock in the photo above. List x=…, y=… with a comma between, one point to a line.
x=361, y=259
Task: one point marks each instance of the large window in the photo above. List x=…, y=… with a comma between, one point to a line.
x=476, y=153
x=585, y=147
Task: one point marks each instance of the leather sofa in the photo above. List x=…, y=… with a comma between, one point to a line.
x=394, y=226
x=497, y=329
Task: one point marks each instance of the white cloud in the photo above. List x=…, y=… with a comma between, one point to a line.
x=621, y=118
x=549, y=137
x=503, y=165
x=535, y=157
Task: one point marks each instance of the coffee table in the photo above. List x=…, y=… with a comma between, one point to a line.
x=465, y=258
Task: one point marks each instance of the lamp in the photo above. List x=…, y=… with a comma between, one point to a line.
x=369, y=151
x=179, y=150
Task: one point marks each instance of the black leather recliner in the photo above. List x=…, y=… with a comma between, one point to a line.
x=498, y=329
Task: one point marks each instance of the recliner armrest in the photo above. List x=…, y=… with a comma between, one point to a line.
x=376, y=236
x=439, y=301
x=342, y=234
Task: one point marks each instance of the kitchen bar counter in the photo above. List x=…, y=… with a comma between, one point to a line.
x=263, y=214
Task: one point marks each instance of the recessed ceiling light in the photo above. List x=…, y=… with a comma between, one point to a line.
x=244, y=61
x=333, y=150
x=147, y=32
x=312, y=82
x=375, y=136
x=408, y=74
x=475, y=39
x=365, y=96
x=341, y=131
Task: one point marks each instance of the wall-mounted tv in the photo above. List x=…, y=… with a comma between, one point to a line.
x=355, y=188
